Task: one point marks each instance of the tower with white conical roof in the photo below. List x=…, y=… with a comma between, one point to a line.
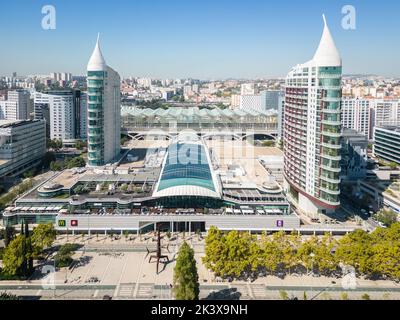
x=312, y=129
x=327, y=54
x=104, y=111
x=97, y=61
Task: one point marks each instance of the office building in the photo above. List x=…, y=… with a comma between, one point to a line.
x=387, y=143
x=252, y=102
x=271, y=98
x=104, y=110
x=312, y=129
x=16, y=107
x=354, y=155
x=22, y=145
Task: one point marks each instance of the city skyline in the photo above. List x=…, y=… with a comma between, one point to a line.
x=171, y=40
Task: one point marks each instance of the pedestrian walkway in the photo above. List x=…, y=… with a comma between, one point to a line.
x=126, y=290
x=258, y=291
x=145, y=290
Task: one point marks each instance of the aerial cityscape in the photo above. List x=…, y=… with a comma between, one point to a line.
x=277, y=180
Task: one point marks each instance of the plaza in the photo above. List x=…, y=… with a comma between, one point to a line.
x=119, y=267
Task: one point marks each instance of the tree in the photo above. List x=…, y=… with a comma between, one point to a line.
x=56, y=166
x=8, y=296
x=283, y=294
x=186, y=279
x=79, y=144
x=355, y=249
x=54, y=144
x=290, y=245
x=213, y=249
x=7, y=234
x=344, y=296
x=48, y=158
x=324, y=258
x=29, y=174
x=268, y=143
x=393, y=165
x=43, y=237
x=306, y=251
x=273, y=256
x=385, y=245
x=63, y=258
x=365, y=296
x=76, y=162
x=14, y=257
x=387, y=217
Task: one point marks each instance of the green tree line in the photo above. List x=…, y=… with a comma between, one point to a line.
x=76, y=162
x=16, y=191
x=241, y=255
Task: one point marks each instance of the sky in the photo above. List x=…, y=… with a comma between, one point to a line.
x=202, y=39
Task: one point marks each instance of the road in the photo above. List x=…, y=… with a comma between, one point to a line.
x=215, y=291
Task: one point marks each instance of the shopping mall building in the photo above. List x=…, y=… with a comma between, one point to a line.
x=182, y=184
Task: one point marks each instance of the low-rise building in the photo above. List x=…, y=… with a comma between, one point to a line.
x=387, y=143
x=22, y=145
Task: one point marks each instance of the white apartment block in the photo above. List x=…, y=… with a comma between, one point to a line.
x=16, y=107
x=235, y=101
x=312, y=129
x=247, y=89
x=66, y=113
x=61, y=76
x=385, y=112
x=144, y=82
x=356, y=115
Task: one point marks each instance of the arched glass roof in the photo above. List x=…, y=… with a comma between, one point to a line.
x=186, y=171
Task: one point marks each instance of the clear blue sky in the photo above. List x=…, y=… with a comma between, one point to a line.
x=196, y=38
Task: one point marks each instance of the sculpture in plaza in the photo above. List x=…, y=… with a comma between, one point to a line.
x=158, y=256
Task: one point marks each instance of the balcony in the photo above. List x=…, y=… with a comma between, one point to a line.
x=331, y=146
x=331, y=122
x=331, y=157
x=333, y=134
x=332, y=169
x=330, y=191
x=332, y=111
x=331, y=99
x=330, y=180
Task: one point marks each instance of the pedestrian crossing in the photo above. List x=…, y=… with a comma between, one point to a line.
x=145, y=290
x=243, y=289
x=126, y=290
x=258, y=290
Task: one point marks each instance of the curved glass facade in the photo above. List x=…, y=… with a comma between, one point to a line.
x=95, y=117
x=186, y=164
x=329, y=77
